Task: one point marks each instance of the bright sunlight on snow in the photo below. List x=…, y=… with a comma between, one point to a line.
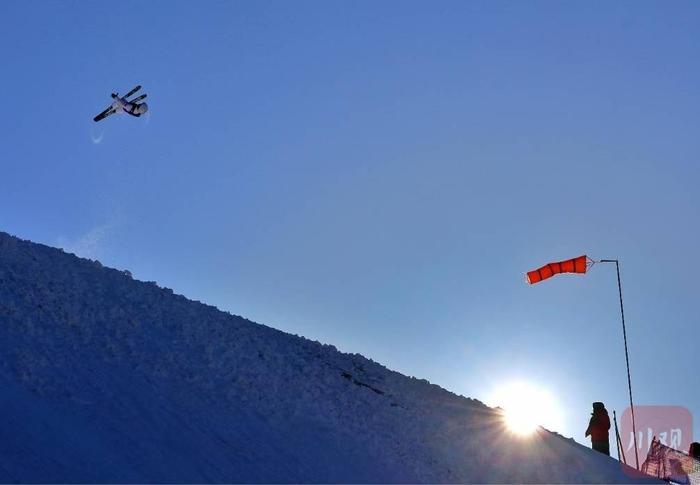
x=526, y=407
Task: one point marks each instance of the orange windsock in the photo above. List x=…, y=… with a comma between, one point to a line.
x=575, y=265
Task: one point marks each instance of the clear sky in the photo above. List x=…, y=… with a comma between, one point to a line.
x=380, y=175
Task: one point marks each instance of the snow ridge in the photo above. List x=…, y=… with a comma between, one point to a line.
x=109, y=379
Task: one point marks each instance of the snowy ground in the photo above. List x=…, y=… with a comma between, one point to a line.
x=108, y=379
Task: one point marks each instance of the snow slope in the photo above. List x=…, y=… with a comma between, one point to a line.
x=108, y=379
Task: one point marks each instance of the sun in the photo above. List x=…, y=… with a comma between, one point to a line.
x=526, y=407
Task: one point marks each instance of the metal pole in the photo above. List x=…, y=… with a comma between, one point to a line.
x=627, y=358
x=620, y=448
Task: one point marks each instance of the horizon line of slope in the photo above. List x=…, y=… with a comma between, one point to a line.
x=160, y=388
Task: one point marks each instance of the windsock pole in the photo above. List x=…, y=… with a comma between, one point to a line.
x=627, y=358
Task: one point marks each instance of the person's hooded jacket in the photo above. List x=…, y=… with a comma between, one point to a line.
x=600, y=423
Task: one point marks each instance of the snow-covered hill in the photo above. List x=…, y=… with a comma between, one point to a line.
x=108, y=379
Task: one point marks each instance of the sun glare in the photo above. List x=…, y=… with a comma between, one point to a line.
x=526, y=407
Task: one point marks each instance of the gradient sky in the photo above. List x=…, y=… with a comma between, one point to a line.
x=380, y=175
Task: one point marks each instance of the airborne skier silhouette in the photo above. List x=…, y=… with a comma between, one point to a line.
x=122, y=104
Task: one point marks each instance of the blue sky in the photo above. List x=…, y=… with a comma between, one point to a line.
x=380, y=175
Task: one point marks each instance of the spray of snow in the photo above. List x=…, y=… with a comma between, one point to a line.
x=97, y=139
x=89, y=245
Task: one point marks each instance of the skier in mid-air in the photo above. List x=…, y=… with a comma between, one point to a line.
x=122, y=104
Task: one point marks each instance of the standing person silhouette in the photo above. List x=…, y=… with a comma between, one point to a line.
x=598, y=428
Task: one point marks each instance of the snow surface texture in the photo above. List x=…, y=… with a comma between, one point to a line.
x=108, y=379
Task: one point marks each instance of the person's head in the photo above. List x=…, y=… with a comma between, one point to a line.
x=598, y=406
x=694, y=450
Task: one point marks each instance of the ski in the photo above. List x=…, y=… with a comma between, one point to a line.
x=132, y=91
x=136, y=100
x=104, y=114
